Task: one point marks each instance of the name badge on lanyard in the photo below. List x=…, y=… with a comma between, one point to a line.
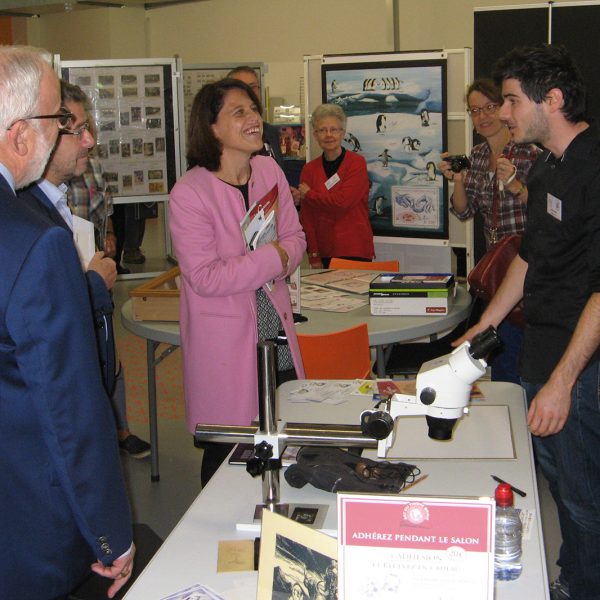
x=335, y=178
x=554, y=206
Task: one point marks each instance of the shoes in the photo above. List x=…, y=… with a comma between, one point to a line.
x=559, y=590
x=134, y=257
x=134, y=446
x=122, y=270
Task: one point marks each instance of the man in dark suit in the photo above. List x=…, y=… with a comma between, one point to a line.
x=63, y=503
x=48, y=198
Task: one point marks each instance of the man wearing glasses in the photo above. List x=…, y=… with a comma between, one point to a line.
x=48, y=197
x=64, y=505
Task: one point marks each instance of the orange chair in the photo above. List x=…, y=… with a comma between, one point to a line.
x=344, y=354
x=388, y=266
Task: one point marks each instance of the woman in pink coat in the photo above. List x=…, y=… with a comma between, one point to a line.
x=231, y=296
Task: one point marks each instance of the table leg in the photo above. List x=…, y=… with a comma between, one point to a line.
x=152, y=362
x=380, y=355
x=151, y=346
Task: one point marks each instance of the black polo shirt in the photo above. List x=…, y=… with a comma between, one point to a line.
x=561, y=245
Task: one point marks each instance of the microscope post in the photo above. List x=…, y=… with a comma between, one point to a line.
x=267, y=417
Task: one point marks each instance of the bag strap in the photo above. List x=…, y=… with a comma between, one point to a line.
x=498, y=195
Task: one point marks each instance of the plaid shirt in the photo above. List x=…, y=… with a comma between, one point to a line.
x=89, y=199
x=480, y=186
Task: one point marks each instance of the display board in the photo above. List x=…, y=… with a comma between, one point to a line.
x=195, y=76
x=135, y=107
x=397, y=122
x=417, y=251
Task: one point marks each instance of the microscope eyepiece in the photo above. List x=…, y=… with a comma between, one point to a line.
x=440, y=429
x=484, y=343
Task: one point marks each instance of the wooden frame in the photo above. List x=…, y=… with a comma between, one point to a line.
x=158, y=299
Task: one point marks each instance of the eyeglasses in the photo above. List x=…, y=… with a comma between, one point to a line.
x=327, y=130
x=63, y=118
x=79, y=131
x=488, y=109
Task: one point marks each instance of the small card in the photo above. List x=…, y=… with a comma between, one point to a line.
x=335, y=178
x=554, y=206
x=236, y=555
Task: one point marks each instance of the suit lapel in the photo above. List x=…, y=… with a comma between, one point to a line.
x=53, y=213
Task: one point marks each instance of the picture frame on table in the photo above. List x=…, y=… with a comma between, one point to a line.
x=295, y=561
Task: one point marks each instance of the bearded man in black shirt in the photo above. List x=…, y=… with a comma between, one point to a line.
x=557, y=273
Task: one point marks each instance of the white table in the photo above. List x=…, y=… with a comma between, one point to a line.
x=382, y=332
x=189, y=555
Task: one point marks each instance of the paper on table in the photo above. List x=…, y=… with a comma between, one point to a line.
x=83, y=236
x=484, y=433
x=325, y=392
x=235, y=555
x=197, y=592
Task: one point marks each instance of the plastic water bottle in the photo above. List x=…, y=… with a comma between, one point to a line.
x=507, y=558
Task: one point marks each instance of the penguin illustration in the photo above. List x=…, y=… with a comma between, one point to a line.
x=430, y=166
x=385, y=157
x=380, y=123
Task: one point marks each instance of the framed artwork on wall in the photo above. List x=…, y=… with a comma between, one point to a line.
x=396, y=115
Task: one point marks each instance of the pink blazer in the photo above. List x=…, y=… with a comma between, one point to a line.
x=219, y=279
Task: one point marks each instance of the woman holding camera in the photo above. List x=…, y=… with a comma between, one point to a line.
x=495, y=183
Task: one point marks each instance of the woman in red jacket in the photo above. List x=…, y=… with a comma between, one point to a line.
x=333, y=194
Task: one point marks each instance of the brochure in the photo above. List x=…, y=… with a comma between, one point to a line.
x=259, y=225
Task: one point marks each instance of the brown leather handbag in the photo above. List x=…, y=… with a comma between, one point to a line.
x=487, y=275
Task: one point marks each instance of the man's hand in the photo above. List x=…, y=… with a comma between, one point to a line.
x=120, y=571
x=471, y=333
x=110, y=245
x=105, y=267
x=549, y=409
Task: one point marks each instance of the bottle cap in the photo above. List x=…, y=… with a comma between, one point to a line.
x=504, y=495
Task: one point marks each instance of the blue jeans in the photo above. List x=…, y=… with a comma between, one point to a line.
x=505, y=364
x=570, y=460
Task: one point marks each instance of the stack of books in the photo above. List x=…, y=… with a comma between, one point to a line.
x=411, y=294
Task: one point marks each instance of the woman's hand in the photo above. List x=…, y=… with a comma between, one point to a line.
x=283, y=255
x=296, y=195
x=447, y=172
x=299, y=193
x=505, y=170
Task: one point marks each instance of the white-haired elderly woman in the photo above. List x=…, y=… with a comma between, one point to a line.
x=333, y=194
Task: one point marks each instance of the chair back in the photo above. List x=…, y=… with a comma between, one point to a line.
x=383, y=266
x=343, y=354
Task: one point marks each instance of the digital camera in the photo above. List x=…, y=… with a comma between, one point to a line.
x=458, y=162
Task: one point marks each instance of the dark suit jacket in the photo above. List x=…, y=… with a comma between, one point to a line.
x=100, y=297
x=63, y=501
x=271, y=136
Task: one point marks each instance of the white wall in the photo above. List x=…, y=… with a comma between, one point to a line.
x=277, y=32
